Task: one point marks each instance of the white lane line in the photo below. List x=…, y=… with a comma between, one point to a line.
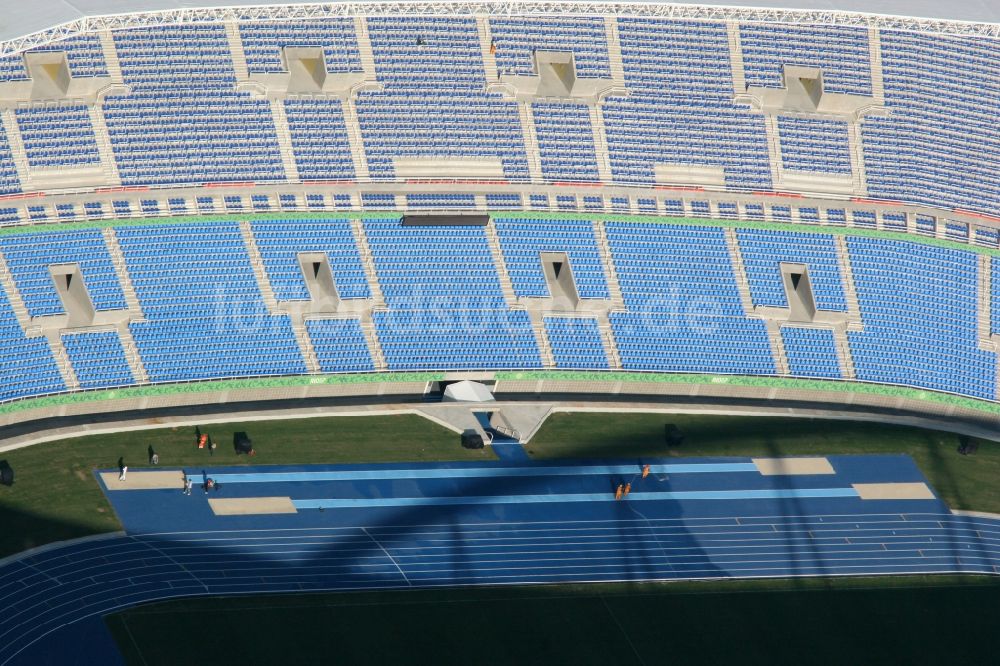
x=391, y=559
x=182, y=567
x=850, y=517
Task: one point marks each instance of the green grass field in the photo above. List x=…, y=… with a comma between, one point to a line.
x=56, y=497
x=847, y=621
x=964, y=482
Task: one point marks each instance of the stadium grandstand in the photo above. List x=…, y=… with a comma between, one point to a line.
x=203, y=207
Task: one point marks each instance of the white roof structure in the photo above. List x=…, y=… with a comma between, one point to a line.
x=466, y=391
x=50, y=20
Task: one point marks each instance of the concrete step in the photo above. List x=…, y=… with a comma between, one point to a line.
x=506, y=286
x=485, y=40
x=844, y=357
x=739, y=270
x=305, y=346
x=854, y=322
x=236, y=50
x=615, y=61
x=132, y=356
x=257, y=264
x=284, y=134
x=374, y=346
x=777, y=346
x=62, y=362
x=121, y=271
x=530, y=141
x=610, y=347
x=736, y=57
x=110, y=52
x=610, y=272
x=368, y=261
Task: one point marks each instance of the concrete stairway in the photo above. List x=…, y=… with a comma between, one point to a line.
x=374, y=347
x=530, y=141
x=984, y=310
x=236, y=50
x=305, y=345
x=615, y=62
x=600, y=145
x=485, y=40
x=62, y=361
x=610, y=272
x=257, y=264
x=121, y=271
x=740, y=271
x=506, y=286
x=542, y=339
x=284, y=135
x=777, y=346
x=736, y=57
x=608, y=338
x=854, y=322
x=875, y=59
x=110, y=55
x=368, y=261
x=132, y=355
x=104, y=149
x=844, y=358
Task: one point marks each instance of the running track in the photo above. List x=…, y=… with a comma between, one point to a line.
x=798, y=529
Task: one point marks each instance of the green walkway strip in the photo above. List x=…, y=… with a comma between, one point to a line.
x=534, y=375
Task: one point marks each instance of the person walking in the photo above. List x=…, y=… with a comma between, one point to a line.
x=187, y=485
x=122, y=471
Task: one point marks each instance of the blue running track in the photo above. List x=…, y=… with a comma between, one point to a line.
x=510, y=522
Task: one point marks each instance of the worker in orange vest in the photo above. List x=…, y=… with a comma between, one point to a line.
x=618, y=492
x=645, y=471
x=628, y=489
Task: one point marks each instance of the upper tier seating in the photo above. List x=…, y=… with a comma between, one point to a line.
x=940, y=145
x=516, y=38
x=841, y=52
x=183, y=122
x=319, y=139
x=815, y=146
x=58, y=137
x=433, y=104
x=263, y=43
x=680, y=109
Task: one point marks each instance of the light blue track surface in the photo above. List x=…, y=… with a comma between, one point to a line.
x=426, y=525
x=790, y=493
x=481, y=472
